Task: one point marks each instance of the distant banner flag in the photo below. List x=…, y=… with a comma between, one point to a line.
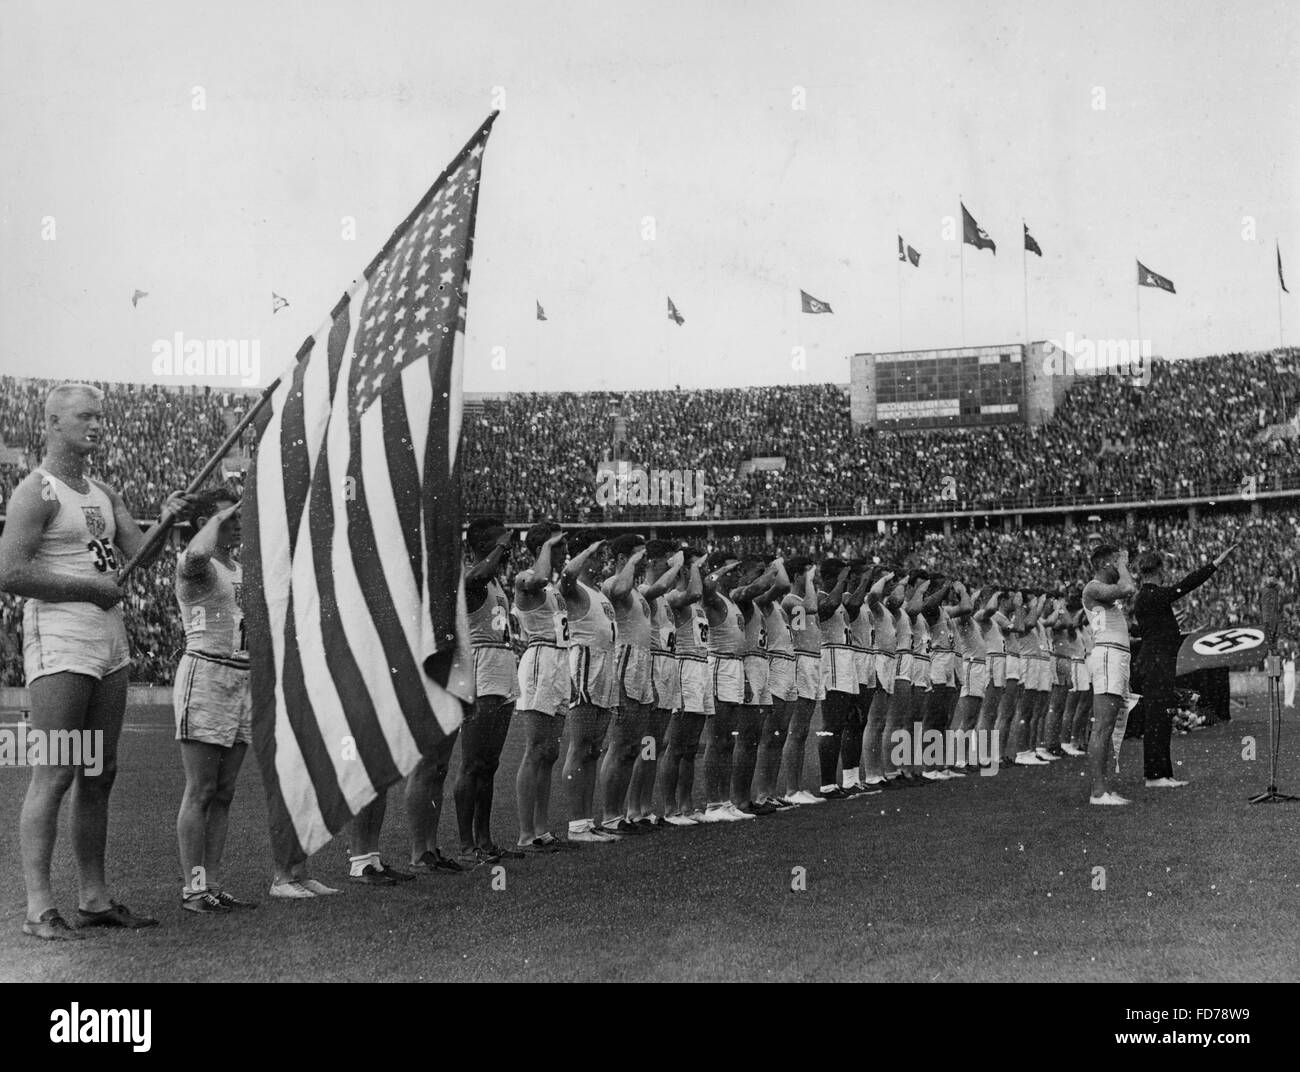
x=1280, y=278
x=1030, y=244
x=907, y=253
x=814, y=305
x=674, y=315
x=1148, y=278
x=352, y=526
x=541, y=313
x=1235, y=647
x=973, y=234
x=277, y=303
x=135, y=298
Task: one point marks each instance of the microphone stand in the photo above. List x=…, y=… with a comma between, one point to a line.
x=1273, y=667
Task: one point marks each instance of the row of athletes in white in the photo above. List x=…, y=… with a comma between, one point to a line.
x=657, y=654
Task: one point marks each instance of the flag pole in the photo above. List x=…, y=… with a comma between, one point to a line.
x=1137, y=295
x=1277, y=250
x=167, y=519
x=899, y=268
x=961, y=253
x=1024, y=261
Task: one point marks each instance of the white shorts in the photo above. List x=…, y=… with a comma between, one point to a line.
x=495, y=672
x=1082, y=679
x=544, y=679
x=696, y=689
x=1015, y=667
x=943, y=668
x=666, y=680
x=839, y=670
x=780, y=677
x=76, y=638
x=757, y=685
x=212, y=701
x=920, y=676
x=592, y=678
x=998, y=669
x=865, y=663
x=728, y=674
x=975, y=678
x=634, y=675
x=1108, y=667
x=1038, y=673
x=886, y=669
x=808, y=676
x=903, y=666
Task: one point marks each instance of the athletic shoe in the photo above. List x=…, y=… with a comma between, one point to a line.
x=1165, y=783
x=697, y=815
x=231, y=901
x=1028, y=759
x=561, y=844
x=430, y=861
x=394, y=873
x=593, y=834
x=762, y=808
x=739, y=812
x=116, y=915
x=51, y=927
x=719, y=813
x=503, y=853
x=932, y=775
x=621, y=828
x=475, y=857
x=1108, y=799
x=293, y=890
x=955, y=772
x=680, y=820
x=372, y=876
x=1046, y=754
x=318, y=888
x=1071, y=750
x=804, y=797
x=537, y=847
x=833, y=793
x=204, y=903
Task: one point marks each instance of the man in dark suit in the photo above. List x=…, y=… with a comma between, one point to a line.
x=1156, y=661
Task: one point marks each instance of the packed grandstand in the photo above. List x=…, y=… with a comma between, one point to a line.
x=1205, y=454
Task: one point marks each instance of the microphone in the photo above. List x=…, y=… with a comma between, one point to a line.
x=1269, y=600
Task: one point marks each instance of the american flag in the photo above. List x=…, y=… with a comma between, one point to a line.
x=352, y=528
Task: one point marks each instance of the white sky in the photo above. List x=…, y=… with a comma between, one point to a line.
x=680, y=111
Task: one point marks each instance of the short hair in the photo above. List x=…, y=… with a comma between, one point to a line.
x=750, y=561
x=626, y=544
x=582, y=540
x=719, y=558
x=797, y=565
x=831, y=568
x=1102, y=552
x=1152, y=562
x=59, y=396
x=538, y=535
x=482, y=532
x=691, y=552
x=205, y=502
x=660, y=548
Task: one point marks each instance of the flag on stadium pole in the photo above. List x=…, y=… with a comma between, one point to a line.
x=135, y=298
x=1281, y=280
x=973, y=234
x=352, y=528
x=813, y=305
x=277, y=303
x=674, y=315
x=1030, y=244
x=1148, y=278
x=907, y=253
x=541, y=313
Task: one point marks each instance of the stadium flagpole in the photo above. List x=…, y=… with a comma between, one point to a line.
x=1137, y=295
x=961, y=253
x=899, y=268
x=1024, y=263
x=1280, y=338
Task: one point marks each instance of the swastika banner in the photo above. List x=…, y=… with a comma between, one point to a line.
x=1235, y=647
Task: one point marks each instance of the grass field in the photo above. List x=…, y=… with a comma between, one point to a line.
x=973, y=879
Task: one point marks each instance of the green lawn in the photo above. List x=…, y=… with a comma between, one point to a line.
x=975, y=879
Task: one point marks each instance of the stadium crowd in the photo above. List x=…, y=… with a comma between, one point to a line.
x=526, y=456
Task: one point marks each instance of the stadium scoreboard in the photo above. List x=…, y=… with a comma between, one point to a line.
x=972, y=386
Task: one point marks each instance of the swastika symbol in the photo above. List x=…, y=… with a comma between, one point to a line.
x=1228, y=640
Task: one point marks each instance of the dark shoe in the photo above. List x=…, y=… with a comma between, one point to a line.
x=503, y=853
x=231, y=901
x=475, y=857
x=205, y=903
x=51, y=927
x=762, y=809
x=393, y=873
x=834, y=793
x=116, y=915
x=557, y=844
x=372, y=876
x=431, y=861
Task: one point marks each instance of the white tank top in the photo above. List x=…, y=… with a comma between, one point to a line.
x=76, y=545
x=212, y=610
